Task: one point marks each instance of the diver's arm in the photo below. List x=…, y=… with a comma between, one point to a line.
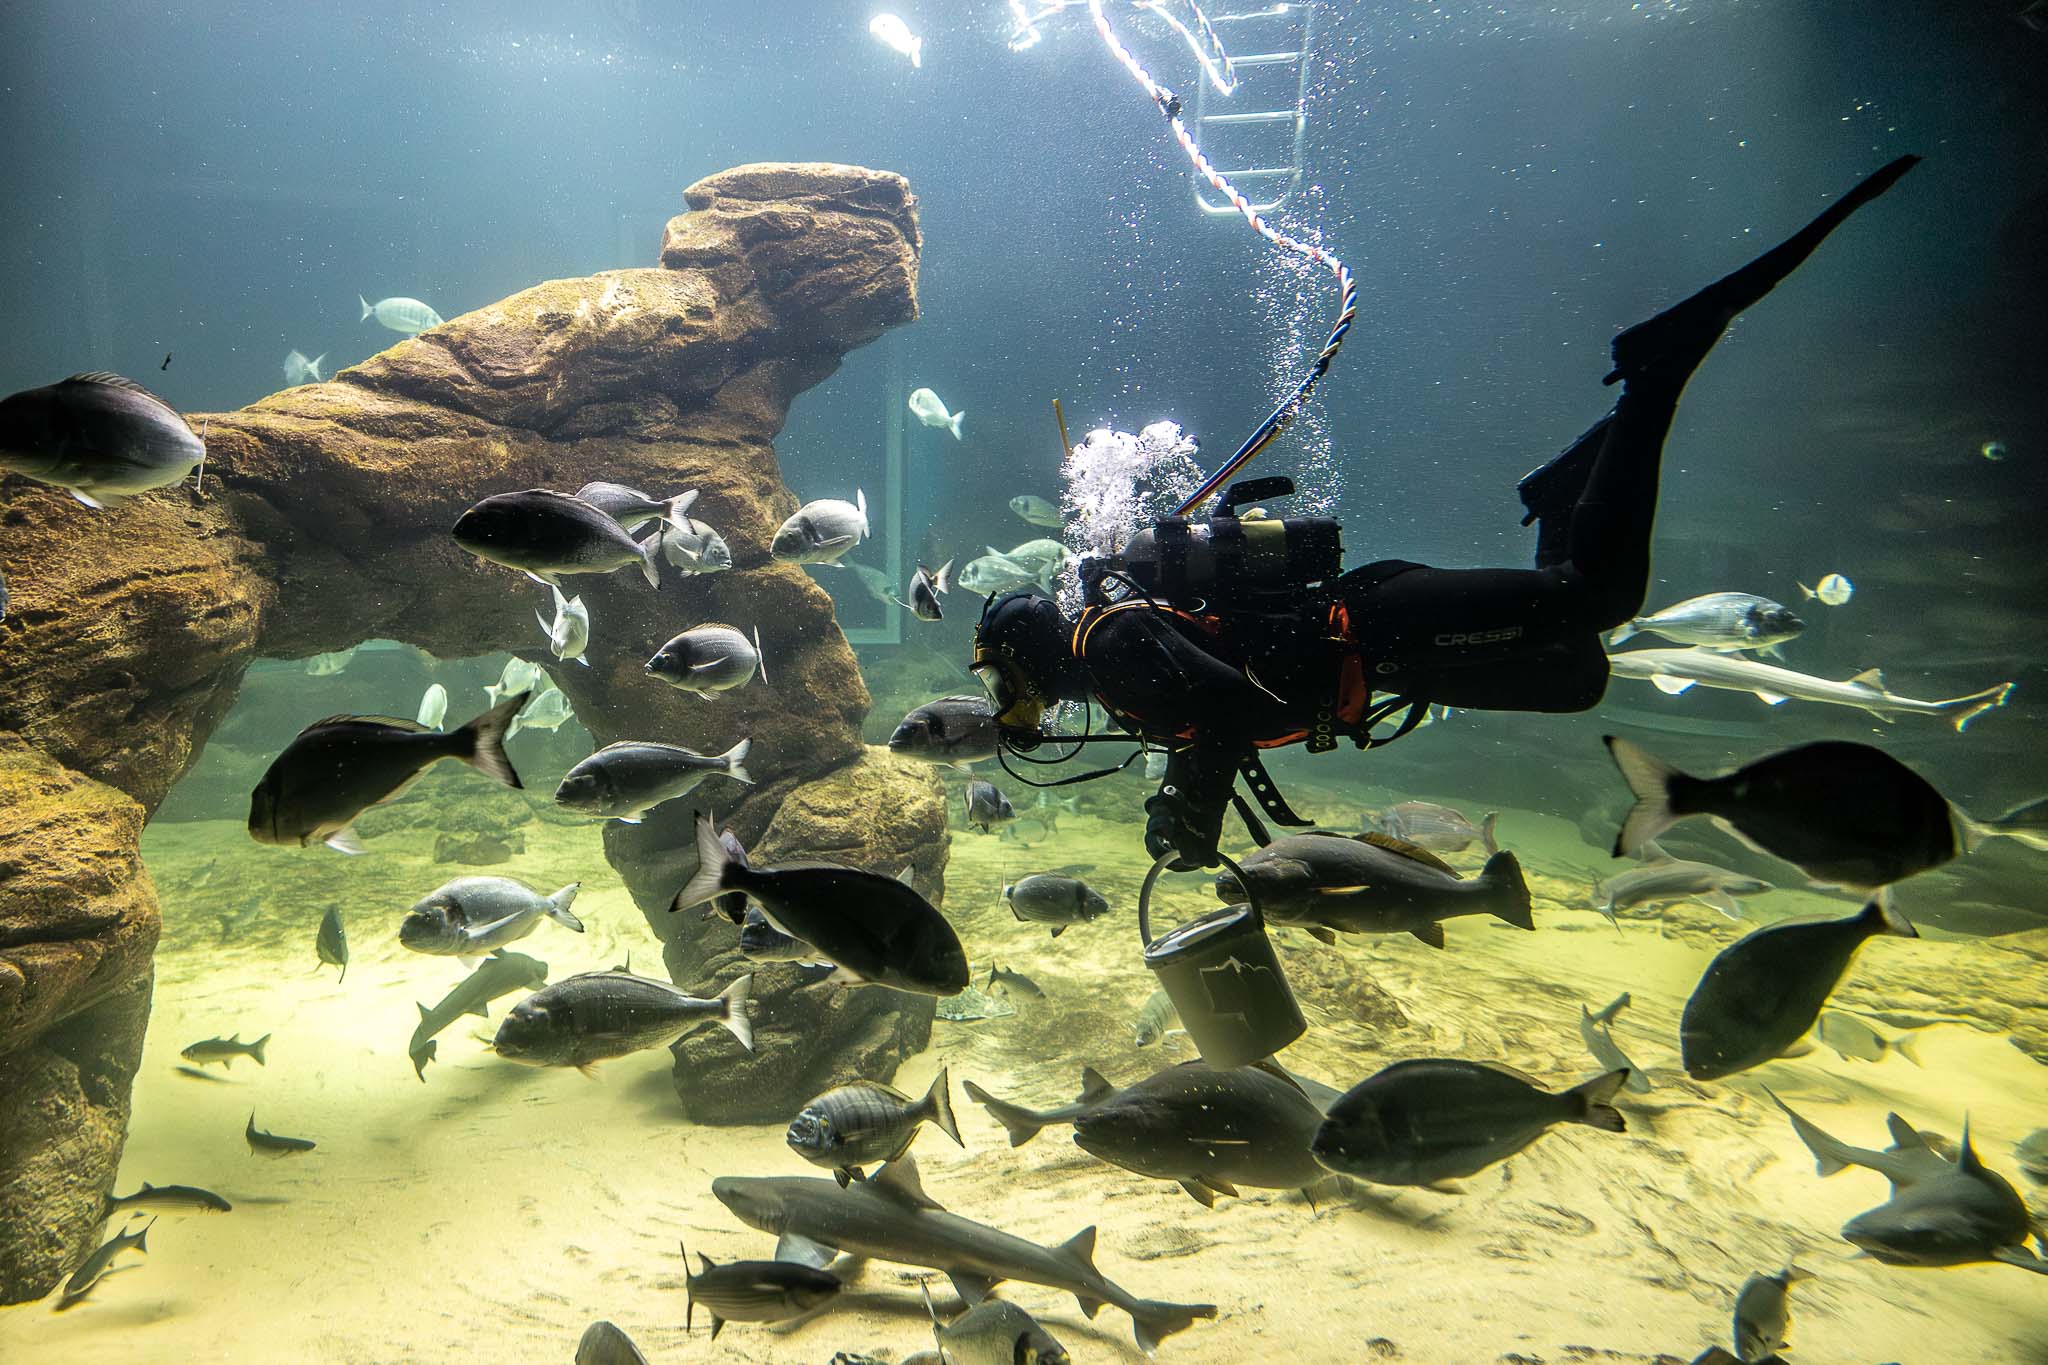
x=1144, y=666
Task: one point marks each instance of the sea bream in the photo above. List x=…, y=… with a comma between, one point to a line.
x=1718, y=621
x=1037, y=511
x=1674, y=671
x=569, y=633
x=1661, y=879
x=1327, y=883
x=1440, y=829
x=1430, y=1119
x=925, y=587
x=472, y=917
x=1762, y=992
x=959, y=730
x=1845, y=814
x=549, y=711
x=891, y=1218
x=695, y=548
x=602, y=1343
x=1209, y=1130
x=596, y=1016
x=1050, y=898
x=822, y=532
x=876, y=929
x=993, y=1332
x=400, y=314
x=433, y=706
x=753, y=1291
x=330, y=943
x=926, y=406
x=624, y=781
x=1762, y=1315
x=98, y=436
x=499, y=974
x=709, y=659
x=632, y=509
x=863, y=1122
x=548, y=535
x=1847, y=1036
x=987, y=807
x=299, y=370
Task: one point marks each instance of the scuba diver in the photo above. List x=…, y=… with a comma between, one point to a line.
x=1217, y=639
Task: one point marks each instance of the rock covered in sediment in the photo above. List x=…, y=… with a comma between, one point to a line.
x=882, y=814
x=325, y=523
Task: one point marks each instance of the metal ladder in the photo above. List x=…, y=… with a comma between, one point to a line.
x=1257, y=148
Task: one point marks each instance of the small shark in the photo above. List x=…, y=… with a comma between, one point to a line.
x=890, y=1218
x=1677, y=670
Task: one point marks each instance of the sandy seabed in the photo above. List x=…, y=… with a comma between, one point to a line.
x=494, y=1211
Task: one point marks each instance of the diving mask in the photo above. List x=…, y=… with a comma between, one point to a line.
x=1010, y=699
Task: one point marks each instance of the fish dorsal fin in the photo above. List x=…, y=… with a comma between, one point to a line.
x=108, y=379
x=908, y=875
x=1406, y=850
x=1905, y=1137
x=395, y=722
x=1653, y=852
x=1278, y=1073
x=1524, y=1077
x=1080, y=1248
x=1094, y=1086
x=1966, y=1155
x=898, y=1182
x=1869, y=677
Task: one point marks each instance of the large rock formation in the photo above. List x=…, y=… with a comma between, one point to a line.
x=324, y=522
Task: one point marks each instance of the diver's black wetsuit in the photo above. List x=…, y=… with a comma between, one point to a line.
x=1484, y=639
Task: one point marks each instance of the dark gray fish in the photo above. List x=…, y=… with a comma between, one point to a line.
x=822, y=532
x=1372, y=884
x=1025, y=1124
x=1440, y=829
x=604, y=1344
x=987, y=807
x=96, y=1266
x=1013, y=982
x=102, y=437
x=1844, y=814
x=340, y=767
x=1209, y=1130
x=2027, y=823
x=1847, y=1036
x=1762, y=1315
x=273, y=1144
x=763, y=942
x=925, y=587
x=877, y=929
x=632, y=509
x=331, y=943
x=957, y=730
x=499, y=974
x=225, y=1050
x=182, y=1198
x=1763, y=991
x=1433, y=1119
x=709, y=659
x=753, y=1291
x=890, y=1218
x=1966, y=1214
x=1596, y=1031
x=625, y=780
x=596, y=1016
x=1909, y=1160
x=549, y=535
x=1663, y=880
x=994, y=1332
x=851, y=1126
x=1048, y=898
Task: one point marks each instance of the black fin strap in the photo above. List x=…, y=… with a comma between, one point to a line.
x=1416, y=711
x=1268, y=796
x=1252, y=824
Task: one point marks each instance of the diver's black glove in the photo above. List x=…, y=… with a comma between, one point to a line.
x=1172, y=827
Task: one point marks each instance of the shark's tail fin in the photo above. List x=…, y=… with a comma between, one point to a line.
x=1968, y=708
x=1827, y=1151
x=1152, y=1321
x=1022, y=1123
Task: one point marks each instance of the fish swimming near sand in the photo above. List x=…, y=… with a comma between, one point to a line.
x=1013, y=983
x=753, y=1291
x=1596, y=1032
x=330, y=944
x=1847, y=1036
x=340, y=767
x=1440, y=829
x=1157, y=1018
x=604, y=1344
x=864, y=1122
x=1661, y=879
x=98, y=436
x=225, y=1050
x=499, y=974
x=890, y=1218
x=993, y=1332
x=473, y=916
x=174, y=1198
x=1024, y=1124
x=1675, y=671
x=586, y=1019
x=970, y=1005
x=1763, y=1316
x=1208, y=1129
x=987, y=807
x=1908, y=1160
x=97, y=1266
x=1373, y=883
x=1964, y=1214
x=273, y=1144
x=1059, y=901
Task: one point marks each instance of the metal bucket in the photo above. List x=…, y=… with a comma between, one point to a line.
x=1223, y=977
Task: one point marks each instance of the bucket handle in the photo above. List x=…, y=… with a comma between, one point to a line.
x=1152, y=879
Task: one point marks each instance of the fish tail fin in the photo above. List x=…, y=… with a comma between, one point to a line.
x=1976, y=704
x=558, y=907
x=650, y=559
x=760, y=659
x=1503, y=875
x=938, y=1105
x=481, y=743
x=954, y=425
x=1907, y=1046
x=942, y=581
x=142, y=1237
x=367, y=309
x=315, y=366
x=735, y=761
x=1650, y=778
x=1021, y=1123
x=860, y=503
x=679, y=506
x=708, y=881
x=1486, y=831
x=1806, y=594
x=1152, y=1320
x=1596, y=1093
x=735, y=1018
x=256, y=1049
x=1621, y=633
x=1826, y=1149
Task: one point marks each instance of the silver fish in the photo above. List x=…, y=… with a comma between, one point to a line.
x=1037, y=511
x=99, y=436
x=996, y=572
x=624, y=781
x=499, y=974
x=822, y=532
x=400, y=314
x=182, y=1198
x=1157, y=1018
x=851, y=1126
x=299, y=370
x=569, y=633
x=1719, y=621
x=709, y=659
x=1663, y=880
x=987, y=807
x=695, y=548
x=1046, y=898
x=517, y=676
x=1440, y=829
x=753, y=1291
x=1596, y=1032
x=600, y=1015
x=604, y=1344
x=433, y=706
x=549, y=711
x=959, y=730
x=1674, y=671
x=632, y=509
x=95, y=1267
x=925, y=405
x=1847, y=1036
x=473, y=916
x=327, y=665
x=994, y=1332
x=972, y=1004
x=925, y=587
x=225, y=1050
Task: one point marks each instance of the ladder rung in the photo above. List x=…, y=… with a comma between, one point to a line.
x=1268, y=116
x=1266, y=59
x=1257, y=170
